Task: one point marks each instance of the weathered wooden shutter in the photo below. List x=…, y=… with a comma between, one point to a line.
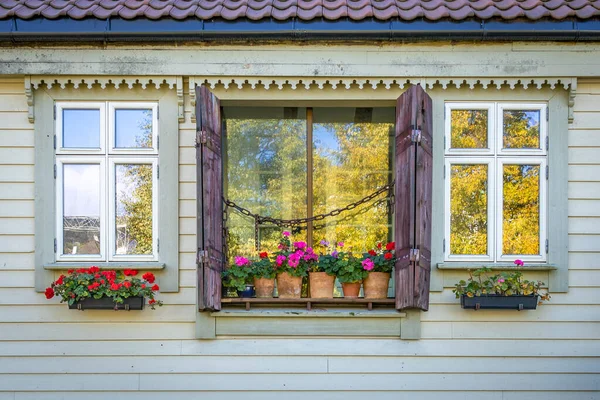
x=414, y=161
x=209, y=175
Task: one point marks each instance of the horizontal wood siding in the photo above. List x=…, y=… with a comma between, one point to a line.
x=48, y=352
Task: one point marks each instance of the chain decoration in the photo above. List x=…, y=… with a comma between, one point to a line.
x=291, y=223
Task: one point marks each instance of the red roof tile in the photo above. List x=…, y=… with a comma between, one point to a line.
x=303, y=9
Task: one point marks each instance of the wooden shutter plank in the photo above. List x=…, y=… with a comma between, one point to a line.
x=413, y=198
x=209, y=170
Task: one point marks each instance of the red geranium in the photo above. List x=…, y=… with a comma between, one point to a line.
x=115, y=286
x=388, y=256
x=379, y=245
x=60, y=280
x=49, y=293
x=93, y=270
x=130, y=272
x=155, y=288
x=149, y=277
x=390, y=246
x=264, y=254
x=372, y=252
x=127, y=284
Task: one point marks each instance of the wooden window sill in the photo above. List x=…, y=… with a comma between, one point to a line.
x=142, y=265
x=495, y=266
x=309, y=302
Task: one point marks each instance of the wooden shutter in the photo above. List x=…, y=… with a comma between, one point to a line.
x=209, y=175
x=414, y=161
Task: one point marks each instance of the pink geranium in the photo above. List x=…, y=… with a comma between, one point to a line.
x=286, y=234
x=279, y=260
x=519, y=263
x=241, y=261
x=368, y=264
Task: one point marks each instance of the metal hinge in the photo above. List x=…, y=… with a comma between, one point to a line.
x=547, y=246
x=55, y=245
x=547, y=172
x=547, y=142
x=54, y=171
x=547, y=114
x=444, y=172
x=444, y=246
x=157, y=245
x=157, y=171
x=157, y=112
x=415, y=136
x=201, y=138
x=444, y=141
x=55, y=112
x=54, y=141
x=201, y=257
x=414, y=255
x=157, y=142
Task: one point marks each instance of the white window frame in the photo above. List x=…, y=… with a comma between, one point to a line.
x=542, y=108
x=500, y=207
x=469, y=106
x=491, y=231
x=67, y=105
x=107, y=157
x=496, y=157
x=112, y=192
x=112, y=108
x=60, y=161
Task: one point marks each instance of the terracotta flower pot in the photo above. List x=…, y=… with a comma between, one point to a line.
x=264, y=287
x=376, y=285
x=288, y=286
x=351, y=289
x=321, y=285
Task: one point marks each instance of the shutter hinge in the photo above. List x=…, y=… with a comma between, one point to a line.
x=444, y=172
x=201, y=138
x=201, y=257
x=157, y=171
x=547, y=246
x=54, y=171
x=547, y=172
x=444, y=141
x=414, y=255
x=547, y=142
x=157, y=112
x=415, y=136
x=157, y=142
x=547, y=113
x=55, y=245
x=157, y=245
x=54, y=142
x=55, y=112
x=444, y=245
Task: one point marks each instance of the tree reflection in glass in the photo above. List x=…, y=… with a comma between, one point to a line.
x=468, y=209
x=521, y=129
x=469, y=129
x=521, y=209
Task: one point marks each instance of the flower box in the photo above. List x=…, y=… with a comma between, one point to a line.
x=107, y=303
x=499, y=302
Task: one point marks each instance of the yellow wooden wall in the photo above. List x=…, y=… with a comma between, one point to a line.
x=49, y=352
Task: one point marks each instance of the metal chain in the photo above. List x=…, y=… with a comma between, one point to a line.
x=259, y=219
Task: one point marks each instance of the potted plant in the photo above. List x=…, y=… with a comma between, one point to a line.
x=238, y=277
x=322, y=273
x=350, y=274
x=91, y=288
x=379, y=264
x=263, y=273
x=292, y=264
x=504, y=290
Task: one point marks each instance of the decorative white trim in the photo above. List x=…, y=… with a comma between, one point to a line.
x=572, y=94
x=180, y=109
x=192, y=93
x=266, y=83
x=29, y=95
x=103, y=81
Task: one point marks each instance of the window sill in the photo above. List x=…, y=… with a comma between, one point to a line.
x=145, y=265
x=321, y=320
x=495, y=266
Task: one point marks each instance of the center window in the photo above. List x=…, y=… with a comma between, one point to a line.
x=294, y=162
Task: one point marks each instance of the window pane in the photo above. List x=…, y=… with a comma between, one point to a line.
x=265, y=167
x=521, y=209
x=81, y=209
x=352, y=158
x=133, y=209
x=469, y=129
x=521, y=129
x=133, y=128
x=81, y=128
x=468, y=209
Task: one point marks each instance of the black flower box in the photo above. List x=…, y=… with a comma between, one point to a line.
x=496, y=302
x=107, y=303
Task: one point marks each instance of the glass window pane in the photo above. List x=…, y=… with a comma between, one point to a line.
x=521, y=209
x=133, y=128
x=469, y=129
x=81, y=128
x=133, y=209
x=81, y=209
x=468, y=209
x=521, y=129
x=352, y=159
x=265, y=166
